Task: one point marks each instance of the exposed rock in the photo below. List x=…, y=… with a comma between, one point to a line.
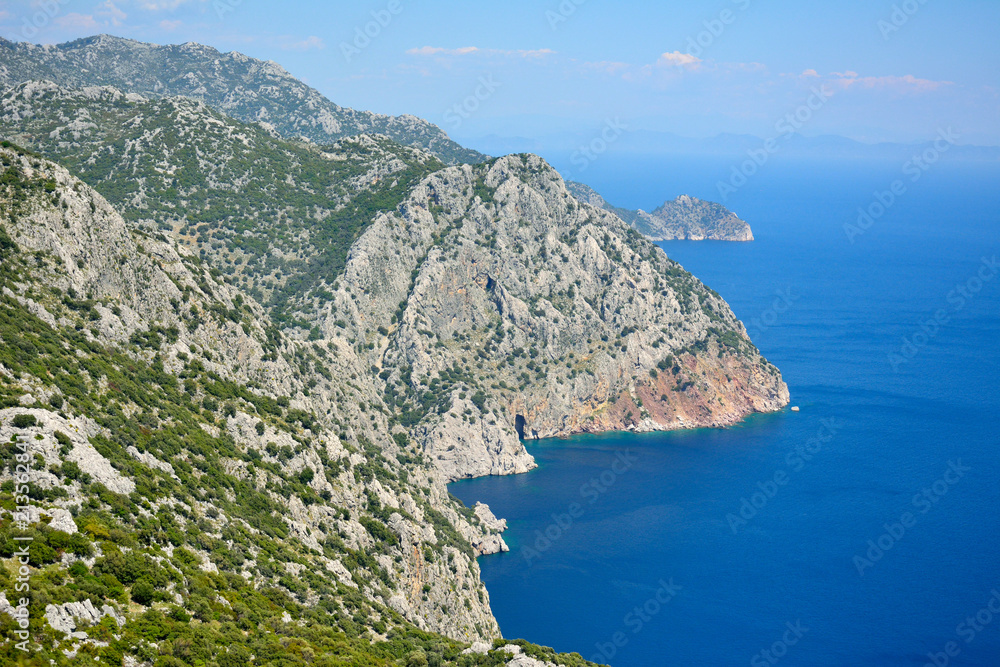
x=479, y=648
x=82, y=453
x=541, y=309
x=17, y=613
x=489, y=520
x=64, y=618
x=694, y=220
x=62, y=520
x=151, y=461
x=685, y=218
x=528, y=661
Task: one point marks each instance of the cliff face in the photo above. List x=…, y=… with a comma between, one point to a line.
x=567, y=320
x=173, y=393
x=684, y=219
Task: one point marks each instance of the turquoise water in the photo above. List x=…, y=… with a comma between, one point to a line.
x=863, y=530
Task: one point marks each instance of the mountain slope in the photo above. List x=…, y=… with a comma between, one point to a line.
x=558, y=318
x=190, y=497
x=244, y=88
x=685, y=218
x=268, y=366
x=279, y=215
x=567, y=320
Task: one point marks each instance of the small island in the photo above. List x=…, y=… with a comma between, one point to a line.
x=684, y=219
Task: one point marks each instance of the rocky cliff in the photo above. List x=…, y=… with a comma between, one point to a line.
x=161, y=397
x=491, y=303
x=685, y=218
x=532, y=314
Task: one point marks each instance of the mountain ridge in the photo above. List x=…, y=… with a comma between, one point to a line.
x=174, y=476
x=232, y=83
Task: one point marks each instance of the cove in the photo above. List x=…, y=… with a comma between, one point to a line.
x=742, y=546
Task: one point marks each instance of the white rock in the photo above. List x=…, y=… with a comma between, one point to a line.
x=489, y=519
x=63, y=618
x=480, y=648
x=148, y=459
x=62, y=521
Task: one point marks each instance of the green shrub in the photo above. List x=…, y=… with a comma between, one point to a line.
x=142, y=593
x=24, y=421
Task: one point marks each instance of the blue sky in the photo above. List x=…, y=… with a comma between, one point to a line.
x=893, y=70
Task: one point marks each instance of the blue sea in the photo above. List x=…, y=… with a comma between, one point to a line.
x=862, y=530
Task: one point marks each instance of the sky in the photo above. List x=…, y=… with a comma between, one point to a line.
x=870, y=70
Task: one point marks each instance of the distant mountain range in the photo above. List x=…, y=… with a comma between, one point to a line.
x=244, y=88
x=731, y=145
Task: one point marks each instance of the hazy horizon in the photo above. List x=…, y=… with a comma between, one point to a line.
x=858, y=70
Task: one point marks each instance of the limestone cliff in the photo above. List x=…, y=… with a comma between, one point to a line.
x=531, y=314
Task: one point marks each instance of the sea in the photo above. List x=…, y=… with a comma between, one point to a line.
x=863, y=529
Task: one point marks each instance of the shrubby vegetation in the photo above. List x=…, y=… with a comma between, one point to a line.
x=201, y=557
x=275, y=216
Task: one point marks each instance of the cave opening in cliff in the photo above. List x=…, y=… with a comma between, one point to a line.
x=519, y=426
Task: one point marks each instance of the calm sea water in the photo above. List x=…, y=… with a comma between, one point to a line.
x=863, y=530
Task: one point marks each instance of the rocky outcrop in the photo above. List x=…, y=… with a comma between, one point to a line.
x=528, y=314
x=488, y=539
x=65, y=618
x=480, y=449
x=17, y=613
x=81, y=452
x=685, y=218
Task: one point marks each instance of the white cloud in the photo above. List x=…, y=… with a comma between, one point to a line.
x=106, y=15
x=77, y=21
x=679, y=59
x=851, y=80
x=903, y=84
x=162, y=5
x=170, y=25
x=671, y=67
x=611, y=67
x=438, y=51
x=111, y=13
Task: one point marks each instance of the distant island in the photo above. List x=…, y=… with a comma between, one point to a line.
x=685, y=218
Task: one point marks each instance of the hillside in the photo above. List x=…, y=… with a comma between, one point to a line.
x=251, y=366
x=189, y=496
x=244, y=88
x=277, y=214
x=685, y=218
